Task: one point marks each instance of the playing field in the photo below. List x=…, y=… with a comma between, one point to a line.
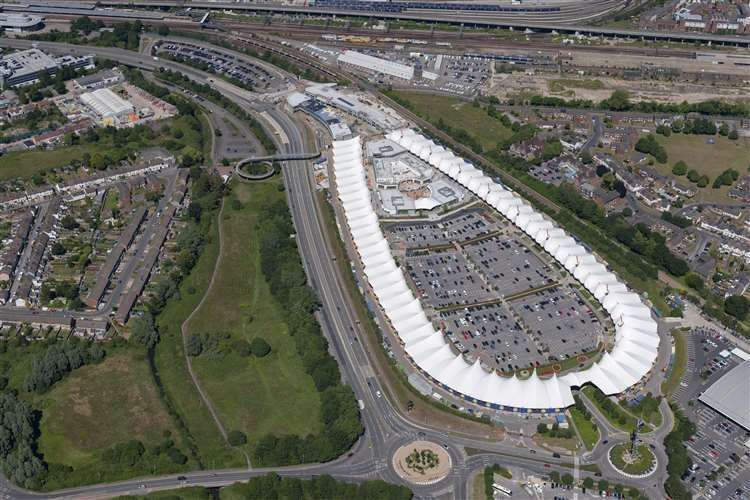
x=272, y=394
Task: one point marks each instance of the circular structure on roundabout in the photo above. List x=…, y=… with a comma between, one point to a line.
x=641, y=462
x=422, y=462
x=255, y=170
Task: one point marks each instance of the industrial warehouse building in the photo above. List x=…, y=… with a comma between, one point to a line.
x=730, y=395
x=107, y=104
x=636, y=340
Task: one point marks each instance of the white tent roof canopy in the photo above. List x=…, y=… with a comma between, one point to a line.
x=636, y=340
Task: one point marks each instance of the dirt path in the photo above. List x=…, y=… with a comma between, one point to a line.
x=184, y=332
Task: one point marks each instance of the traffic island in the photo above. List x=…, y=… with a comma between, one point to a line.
x=636, y=463
x=422, y=462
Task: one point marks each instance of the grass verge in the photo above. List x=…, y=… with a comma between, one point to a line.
x=679, y=364
x=586, y=428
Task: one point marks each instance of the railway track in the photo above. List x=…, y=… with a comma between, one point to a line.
x=467, y=39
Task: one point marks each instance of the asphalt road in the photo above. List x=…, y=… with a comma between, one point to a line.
x=386, y=428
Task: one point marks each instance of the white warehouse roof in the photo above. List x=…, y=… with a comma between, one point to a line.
x=377, y=64
x=636, y=340
x=106, y=103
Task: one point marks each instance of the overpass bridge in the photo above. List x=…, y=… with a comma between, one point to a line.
x=270, y=158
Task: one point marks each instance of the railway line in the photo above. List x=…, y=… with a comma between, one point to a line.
x=467, y=40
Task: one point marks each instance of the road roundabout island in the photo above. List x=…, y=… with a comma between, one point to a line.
x=639, y=462
x=422, y=462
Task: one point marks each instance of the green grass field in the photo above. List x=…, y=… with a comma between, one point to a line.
x=707, y=159
x=170, y=362
x=272, y=394
x=25, y=164
x=78, y=422
x=679, y=362
x=458, y=114
x=586, y=429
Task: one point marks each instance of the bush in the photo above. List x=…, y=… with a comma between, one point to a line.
x=194, y=345
x=176, y=456
x=259, y=347
x=236, y=438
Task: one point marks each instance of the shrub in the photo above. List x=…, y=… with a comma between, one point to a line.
x=259, y=347
x=236, y=438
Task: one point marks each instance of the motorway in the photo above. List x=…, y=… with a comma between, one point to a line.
x=386, y=428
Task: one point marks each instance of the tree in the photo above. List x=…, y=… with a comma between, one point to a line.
x=163, y=30
x=694, y=281
x=541, y=428
x=603, y=485
x=68, y=222
x=680, y=168
x=724, y=129
x=143, y=330
x=703, y=181
x=259, y=347
x=58, y=248
x=737, y=306
x=588, y=483
x=733, y=135
x=693, y=175
x=97, y=161
x=567, y=479
x=554, y=476
x=236, y=438
x=618, y=101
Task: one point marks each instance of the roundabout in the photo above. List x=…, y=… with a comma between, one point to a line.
x=640, y=462
x=422, y=462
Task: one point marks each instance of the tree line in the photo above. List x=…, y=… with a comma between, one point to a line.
x=275, y=487
x=678, y=459
x=58, y=360
x=282, y=269
x=620, y=101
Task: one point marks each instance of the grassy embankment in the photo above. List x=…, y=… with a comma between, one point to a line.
x=586, y=429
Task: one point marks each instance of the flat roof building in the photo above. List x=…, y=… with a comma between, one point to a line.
x=20, y=22
x=25, y=67
x=376, y=64
x=730, y=395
